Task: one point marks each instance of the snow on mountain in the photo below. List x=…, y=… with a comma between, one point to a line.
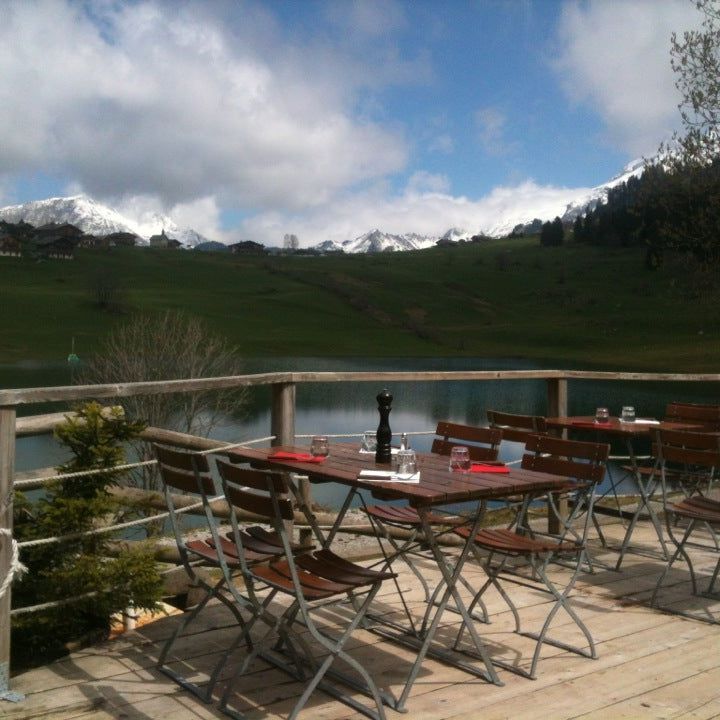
x=599, y=194
x=95, y=218
x=377, y=241
x=535, y=206
x=456, y=235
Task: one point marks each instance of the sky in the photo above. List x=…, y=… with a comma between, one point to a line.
x=326, y=119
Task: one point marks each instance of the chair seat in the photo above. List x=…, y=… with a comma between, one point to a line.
x=699, y=508
x=510, y=542
x=406, y=515
x=322, y=575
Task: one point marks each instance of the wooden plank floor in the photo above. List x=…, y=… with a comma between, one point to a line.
x=651, y=664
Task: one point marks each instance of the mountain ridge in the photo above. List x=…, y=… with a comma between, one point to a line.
x=96, y=218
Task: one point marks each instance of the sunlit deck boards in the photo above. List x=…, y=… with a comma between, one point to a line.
x=651, y=665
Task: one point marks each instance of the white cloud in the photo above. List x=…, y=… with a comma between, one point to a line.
x=424, y=212
x=614, y=57
x=490, y=123
x=424, y=182
x=442, y=144
x=172, y=102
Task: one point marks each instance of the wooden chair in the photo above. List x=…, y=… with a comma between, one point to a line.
x=583, y=463
x=706, y=417
x=680, y=452
x=189, y=473
x=483, y=444
x=311, y=580
x=517, y=428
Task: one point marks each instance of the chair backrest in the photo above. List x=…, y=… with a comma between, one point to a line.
x=706, y=417
x=576, y=459
x=256, y=491
x=517, y=428
x=688, y=448
x=187, y=472
x=482, y=442
x=265, y=494
x=183, y=470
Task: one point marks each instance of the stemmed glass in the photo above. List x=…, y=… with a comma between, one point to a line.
x=319, y=446
x=460, y=459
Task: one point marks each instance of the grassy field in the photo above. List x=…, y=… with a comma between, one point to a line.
x=511, y=298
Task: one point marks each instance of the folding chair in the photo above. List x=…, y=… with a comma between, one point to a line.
x=517, y=428
x=583, y=463
x=311, y=580
x=189, y=473
x=697, y=453
x=483, y=444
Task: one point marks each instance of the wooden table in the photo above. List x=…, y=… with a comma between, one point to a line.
x=437, y=486
x=629, y=432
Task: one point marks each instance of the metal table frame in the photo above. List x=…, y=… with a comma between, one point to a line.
x=437, y=486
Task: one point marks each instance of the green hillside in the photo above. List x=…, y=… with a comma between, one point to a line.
x=509, y=298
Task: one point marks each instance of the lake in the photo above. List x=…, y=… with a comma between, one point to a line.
x=350, y=408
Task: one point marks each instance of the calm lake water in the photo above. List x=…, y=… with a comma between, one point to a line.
x=339, y=408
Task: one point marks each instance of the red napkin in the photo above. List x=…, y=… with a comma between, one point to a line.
x=590, y=424
x=481, y=468
x=300, y=457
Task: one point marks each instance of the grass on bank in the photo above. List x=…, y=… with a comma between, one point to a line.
x=588, y=306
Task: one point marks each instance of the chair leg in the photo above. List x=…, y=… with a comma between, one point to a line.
x=210, y=592
x=561, y=601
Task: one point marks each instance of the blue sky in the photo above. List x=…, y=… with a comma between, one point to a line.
x=326, y=119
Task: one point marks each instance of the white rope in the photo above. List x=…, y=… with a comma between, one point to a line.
x=34, y=482
x=112, y=528
x=16, y=568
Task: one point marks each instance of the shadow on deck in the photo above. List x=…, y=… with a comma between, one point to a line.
x=651, y=663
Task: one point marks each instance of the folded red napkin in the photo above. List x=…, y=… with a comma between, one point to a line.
x=300, y=457
x=589, y=424
x=482, y=468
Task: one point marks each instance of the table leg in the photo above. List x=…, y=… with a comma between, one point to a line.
x=647, y=491
x=450, y=576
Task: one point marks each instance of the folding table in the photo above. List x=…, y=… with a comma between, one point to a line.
x=437, y=486
x=630, y=433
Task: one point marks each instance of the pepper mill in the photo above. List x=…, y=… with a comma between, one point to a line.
x=383, y=453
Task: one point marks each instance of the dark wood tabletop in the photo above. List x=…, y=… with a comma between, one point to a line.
x=614, y=426
x=437, y=486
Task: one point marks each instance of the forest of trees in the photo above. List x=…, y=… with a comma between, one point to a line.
x=675, y=205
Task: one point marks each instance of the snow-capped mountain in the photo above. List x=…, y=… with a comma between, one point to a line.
x=377, y=241
x=512, y=208
x=95, y=218
x=567, y=206
x=599, y=194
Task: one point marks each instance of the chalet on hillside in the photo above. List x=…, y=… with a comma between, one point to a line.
x=56, y=241
x=9, y=246
x=122, y=239
x=248, y=247
x=163, y=241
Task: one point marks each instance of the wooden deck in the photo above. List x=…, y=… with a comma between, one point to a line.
x=651, y=664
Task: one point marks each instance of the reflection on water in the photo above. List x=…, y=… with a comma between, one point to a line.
x=350, y=408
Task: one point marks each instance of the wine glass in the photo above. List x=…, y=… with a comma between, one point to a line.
x=627, y=414
x=602, y=415
x=319, y=446
x=460, y=459
x=369, y=441
x=406, y=462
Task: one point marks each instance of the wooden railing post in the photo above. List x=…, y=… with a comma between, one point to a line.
x=282, y=426
x=557, y=397
x=282, y=414
x=557, y=406
x=7, y=472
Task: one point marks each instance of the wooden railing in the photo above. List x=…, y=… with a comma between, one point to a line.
x=282, y=422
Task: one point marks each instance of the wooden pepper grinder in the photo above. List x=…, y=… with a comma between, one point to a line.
x=383, y=453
